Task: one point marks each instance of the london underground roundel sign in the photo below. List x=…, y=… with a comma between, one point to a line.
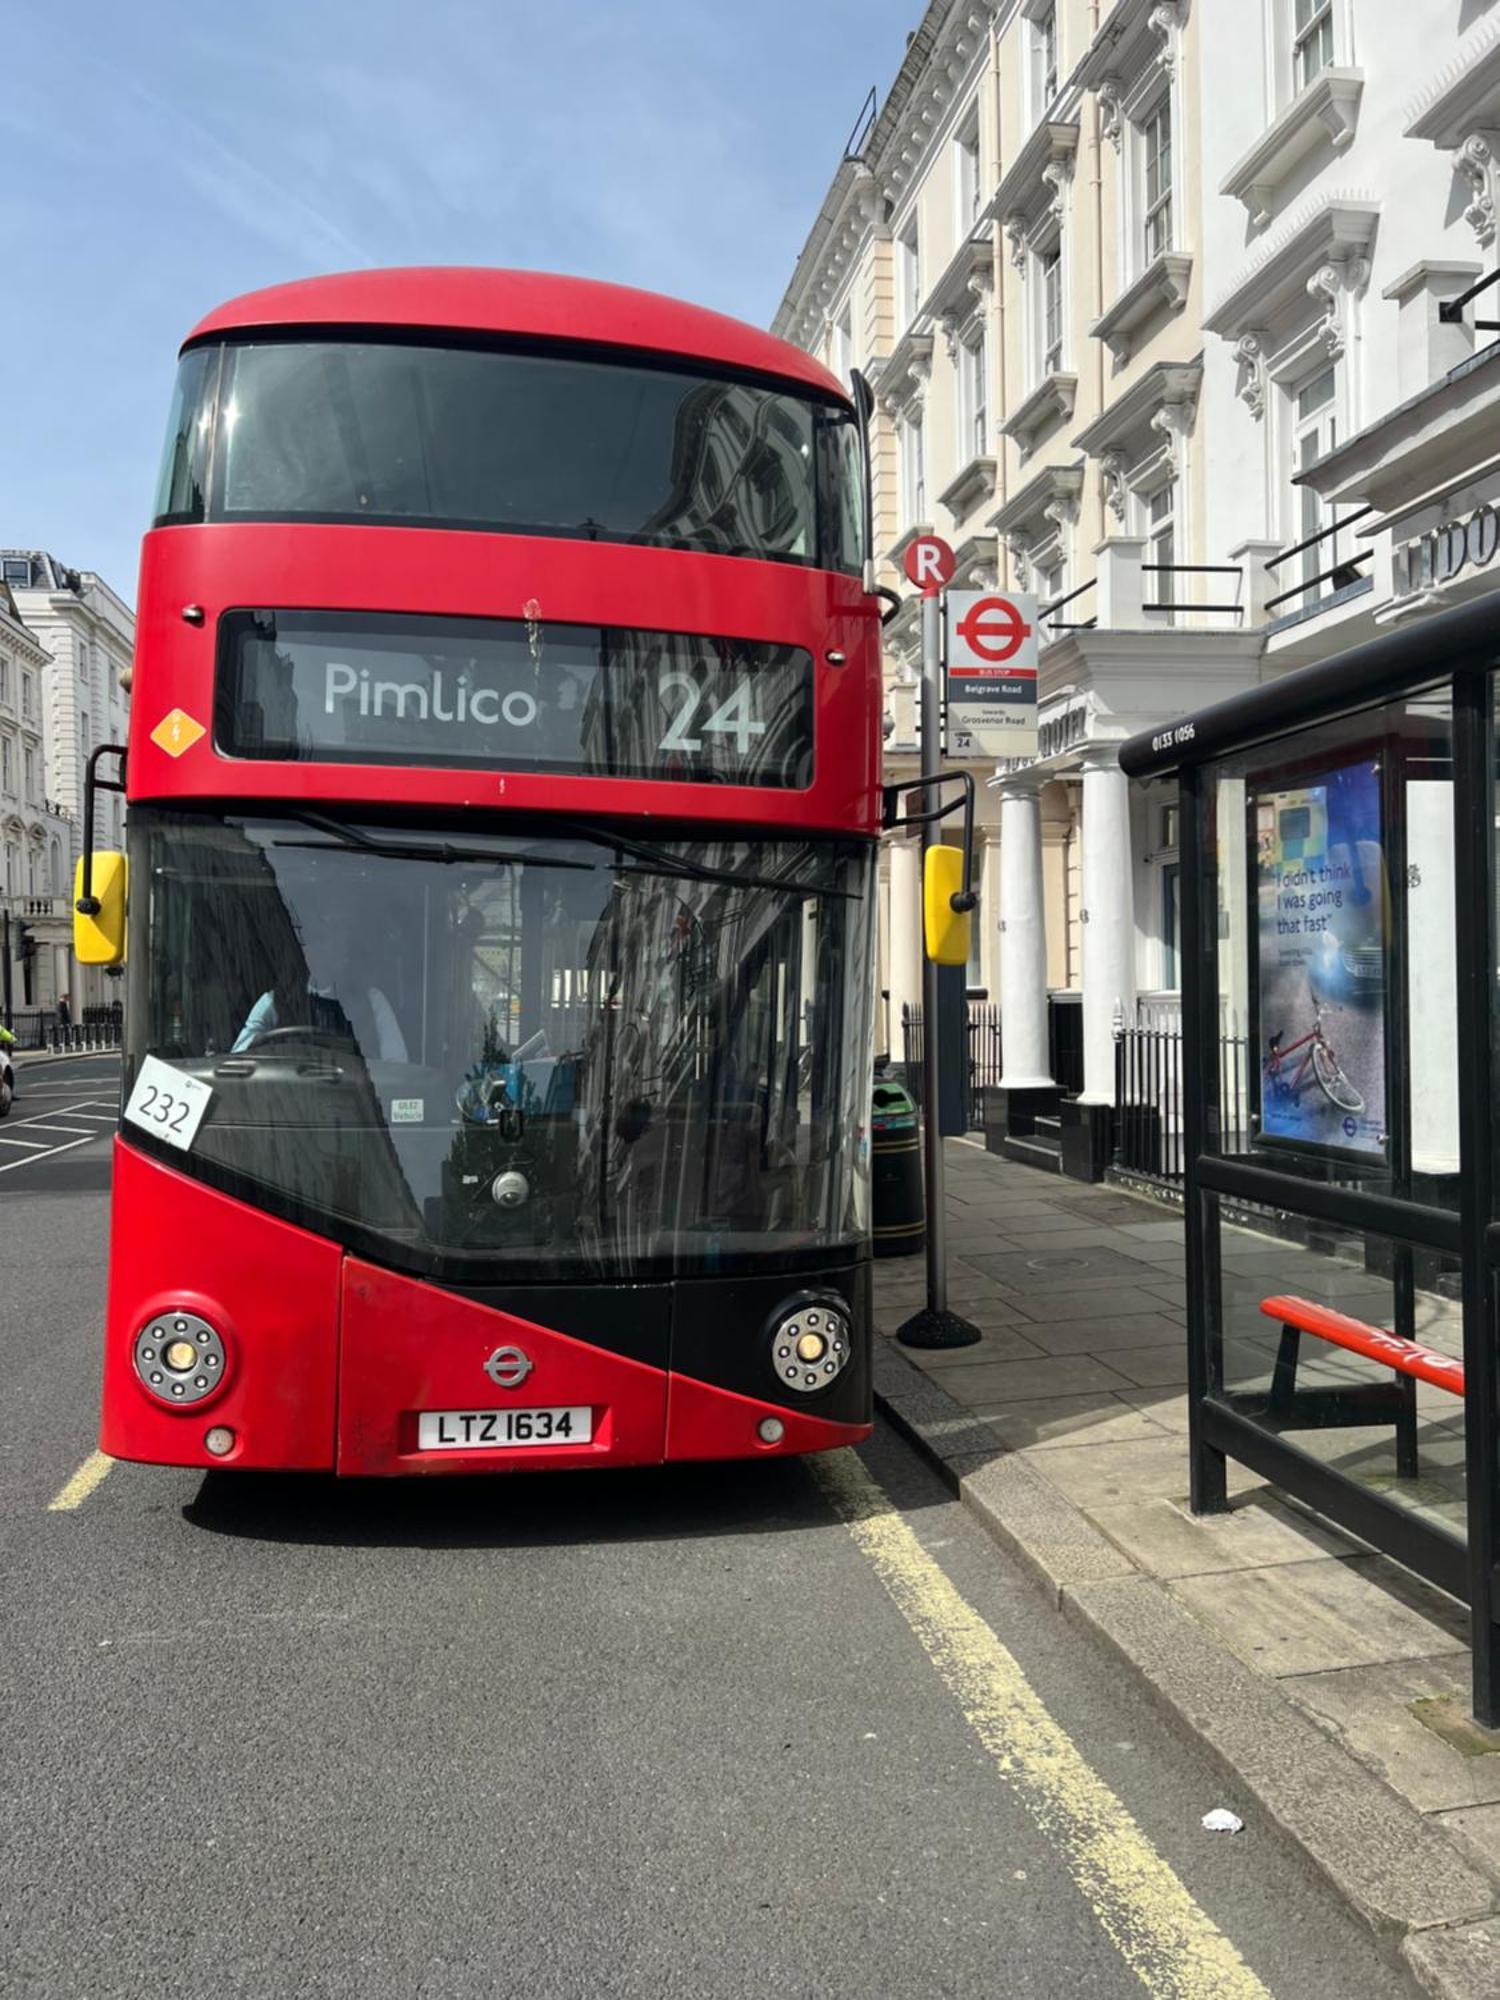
x=994, y=630
x=929, y=564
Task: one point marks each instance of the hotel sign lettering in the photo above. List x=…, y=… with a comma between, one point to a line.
x=1447, y=551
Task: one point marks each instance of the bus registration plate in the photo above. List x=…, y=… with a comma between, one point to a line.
x=474, y=1430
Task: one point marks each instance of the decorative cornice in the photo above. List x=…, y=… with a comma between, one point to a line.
x=1250, y=372
x=975, y=482
x=961, y=291
x=1331, y=227
x=1134, y=36
x=942, y=59
x=1027, y=510
x=1124, y=426
x=1330, y=283
x=1161, y=287
x=1327, y=111
x=1050, y=402
x=1475, y=162
x=1464, y=93
x=1035, y=185
x=900, y=378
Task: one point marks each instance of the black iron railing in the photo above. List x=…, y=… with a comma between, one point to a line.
x=1451, y=311
x=1170, y=603
x=985, y=1060
x=1340, y=574
x=1149, y=1124
x=1045, y=611
x=37, y=1029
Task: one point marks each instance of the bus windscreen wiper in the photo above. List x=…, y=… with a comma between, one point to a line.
x=662, y=861
x=420, y=850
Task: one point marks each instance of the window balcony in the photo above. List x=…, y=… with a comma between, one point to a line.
x=1325, y=113
x=1050, y=403
x=976, y=482
x=1161, y=288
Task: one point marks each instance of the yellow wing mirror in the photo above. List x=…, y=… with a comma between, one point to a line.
x=99, y=916
x=946, y=904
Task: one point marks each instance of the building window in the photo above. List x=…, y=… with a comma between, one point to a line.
x=17, y=572
x=12, y=869
x=1050, y=310
x=973, y=421
x=967, y=161
x=28, y=759
x=7, y=767
x=1314, y=435
x=1169, y=825
x=4, y=683
x=1171, y=927
x=843, y=345
x=85, y=734
x=28, y=696
x=1161, y=545
x=1312, y=40
x=1050, y=582
x=908, y=274
x=1156, y=181
x=1043, y=61
x=913, y=470
x=55, y=880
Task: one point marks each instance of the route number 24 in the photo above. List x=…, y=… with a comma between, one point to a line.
x=734, y=716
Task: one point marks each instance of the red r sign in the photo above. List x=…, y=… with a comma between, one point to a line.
x=930, y=564
x=993, y=629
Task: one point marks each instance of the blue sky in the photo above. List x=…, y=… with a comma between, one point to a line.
x=161, y=156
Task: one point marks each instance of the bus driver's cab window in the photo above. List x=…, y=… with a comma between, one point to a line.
x=336, y=993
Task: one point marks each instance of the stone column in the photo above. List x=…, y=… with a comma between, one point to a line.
x=987, y=875
x=1023, y=941
x=904, y=974
x=1108, y=915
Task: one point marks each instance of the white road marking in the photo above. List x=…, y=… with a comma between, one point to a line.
x=32, y=1159
x=9, y=1139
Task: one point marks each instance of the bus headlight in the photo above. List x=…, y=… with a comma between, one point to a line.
x=810, y=1343
x=179, y=1358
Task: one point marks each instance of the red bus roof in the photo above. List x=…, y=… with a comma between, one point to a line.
x=533, y=303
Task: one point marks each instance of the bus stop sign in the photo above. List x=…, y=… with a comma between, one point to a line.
x=929, y=564
x=993, y=656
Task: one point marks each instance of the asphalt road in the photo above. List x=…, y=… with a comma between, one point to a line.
x=720, y=1731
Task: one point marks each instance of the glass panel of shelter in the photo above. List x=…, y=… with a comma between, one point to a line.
x=1331, y=925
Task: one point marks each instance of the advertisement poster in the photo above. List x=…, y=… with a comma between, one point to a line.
x=1320, y=897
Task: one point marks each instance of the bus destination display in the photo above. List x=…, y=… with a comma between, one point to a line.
x=517, y=695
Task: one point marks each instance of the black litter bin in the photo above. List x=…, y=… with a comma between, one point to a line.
x=899, y=1215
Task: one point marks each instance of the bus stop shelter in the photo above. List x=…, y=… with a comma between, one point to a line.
x=1339, y=935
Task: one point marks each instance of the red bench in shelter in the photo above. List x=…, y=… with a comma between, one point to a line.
x=1361, y=1403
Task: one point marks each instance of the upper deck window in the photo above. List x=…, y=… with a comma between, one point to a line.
x=429, y=436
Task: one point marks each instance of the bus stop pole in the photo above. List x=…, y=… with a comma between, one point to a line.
x=937, y=1246
x=935, y=1326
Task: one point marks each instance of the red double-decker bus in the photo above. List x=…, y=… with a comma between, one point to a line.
x=503, y=795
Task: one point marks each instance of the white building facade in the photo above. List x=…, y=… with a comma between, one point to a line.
x=82, y=637
x=1012, y=254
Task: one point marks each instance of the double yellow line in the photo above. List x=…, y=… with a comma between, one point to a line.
x=81, y=1485
x=1172, y=1946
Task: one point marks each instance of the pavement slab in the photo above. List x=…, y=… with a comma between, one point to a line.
x=1304, y=1618
x=1407, y=1719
